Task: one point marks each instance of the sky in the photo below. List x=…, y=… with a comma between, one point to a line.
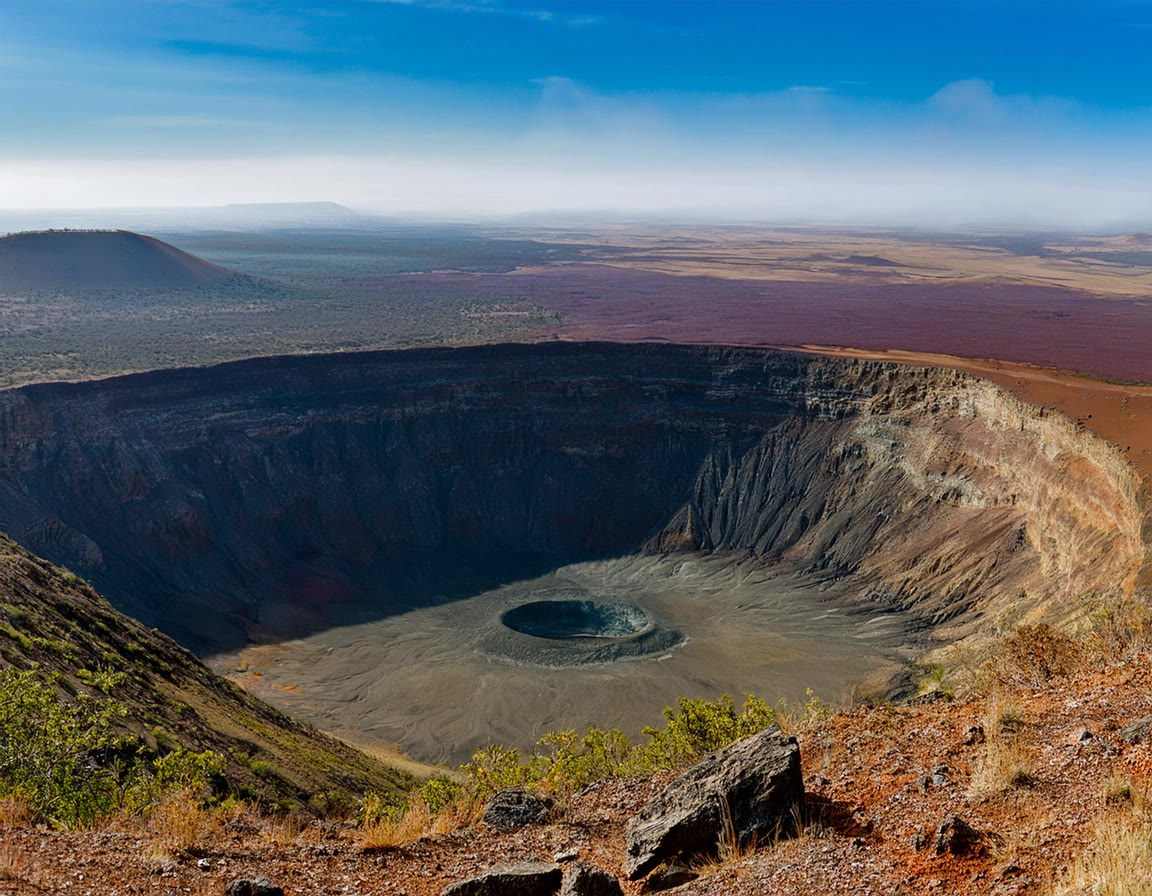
x=1035, y=112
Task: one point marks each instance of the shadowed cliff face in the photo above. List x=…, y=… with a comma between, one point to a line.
x=212, y=503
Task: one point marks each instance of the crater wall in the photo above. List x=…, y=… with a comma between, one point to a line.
x=213, y=503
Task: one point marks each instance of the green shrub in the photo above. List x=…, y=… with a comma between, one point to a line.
x=66, y=760
x=55, y=755
x=564, y=761
x=438, y=792
x=696, y=727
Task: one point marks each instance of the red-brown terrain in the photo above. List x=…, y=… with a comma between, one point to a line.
x=868, y=805
x=1041, y=325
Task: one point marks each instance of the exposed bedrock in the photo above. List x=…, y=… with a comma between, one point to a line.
x=209, y=502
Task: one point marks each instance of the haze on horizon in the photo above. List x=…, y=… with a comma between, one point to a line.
x=894, y=111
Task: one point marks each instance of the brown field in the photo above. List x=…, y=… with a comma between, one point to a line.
x=1118, y=266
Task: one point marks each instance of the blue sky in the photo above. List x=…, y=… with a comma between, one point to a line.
x=510, y=104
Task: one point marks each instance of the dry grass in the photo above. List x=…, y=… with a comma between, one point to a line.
x=1004, y=762
x=12, y=864
x=386, y=832
x=284, y=830
x=14, y=811
x=1118, y=861
x=180, y=822
x=463, y=812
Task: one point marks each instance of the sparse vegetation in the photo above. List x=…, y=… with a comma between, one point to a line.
x=1118, y=861
x=565, y=762
x=63, y=761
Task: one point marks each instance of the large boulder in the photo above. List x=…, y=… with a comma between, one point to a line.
x=512, y=809
x=749, y=790
x=532, y=879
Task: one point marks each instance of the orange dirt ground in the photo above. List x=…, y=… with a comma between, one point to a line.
x=1120, y=412
x=867, y=803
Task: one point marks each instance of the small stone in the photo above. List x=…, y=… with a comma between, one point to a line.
x=204, y=865
x=919, y=841
x=566, y=855
x=255, y=886
x=957, y=837
x=1083, y=735
x=1137, y=732
x=667, y=876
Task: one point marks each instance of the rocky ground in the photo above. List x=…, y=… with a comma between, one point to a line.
x=1043, y=769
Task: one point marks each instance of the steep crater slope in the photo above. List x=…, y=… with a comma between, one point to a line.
x=276, y=498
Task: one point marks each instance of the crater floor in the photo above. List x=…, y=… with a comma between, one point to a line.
x=441, y=681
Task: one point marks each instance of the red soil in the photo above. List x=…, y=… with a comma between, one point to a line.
x=1038, y=325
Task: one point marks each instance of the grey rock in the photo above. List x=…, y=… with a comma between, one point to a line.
x=512, y=809
x=667, y=876
x=750, y=789
x=254, y=886
x=583, y=879
x=1137, y=732
x=957, y=837
x=531, y=879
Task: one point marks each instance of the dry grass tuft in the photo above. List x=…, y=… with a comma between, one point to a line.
x=284, y=830
x=180, y=822
x=392, y=831
x=1118, y=861
x=462, y=812
x=15, y=811
x=1004, y=761
x=12, y=866
x=1035, y=654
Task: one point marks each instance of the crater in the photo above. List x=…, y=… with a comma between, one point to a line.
x=443, y=548
x=569, y=627
x=563, y=620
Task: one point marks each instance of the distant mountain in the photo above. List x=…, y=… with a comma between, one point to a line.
x=55, y=260
x=237, y=217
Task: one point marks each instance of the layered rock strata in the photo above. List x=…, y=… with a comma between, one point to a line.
x=216, y=502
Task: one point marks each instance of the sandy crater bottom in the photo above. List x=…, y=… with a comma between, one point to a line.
x=440, y=681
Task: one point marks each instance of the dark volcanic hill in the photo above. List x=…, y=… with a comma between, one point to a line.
x=65, y=260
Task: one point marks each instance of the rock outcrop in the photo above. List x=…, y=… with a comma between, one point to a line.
x=956, y=837
x=520, y=880
x=747, y=791
x=582, y=879
x=509, y=810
